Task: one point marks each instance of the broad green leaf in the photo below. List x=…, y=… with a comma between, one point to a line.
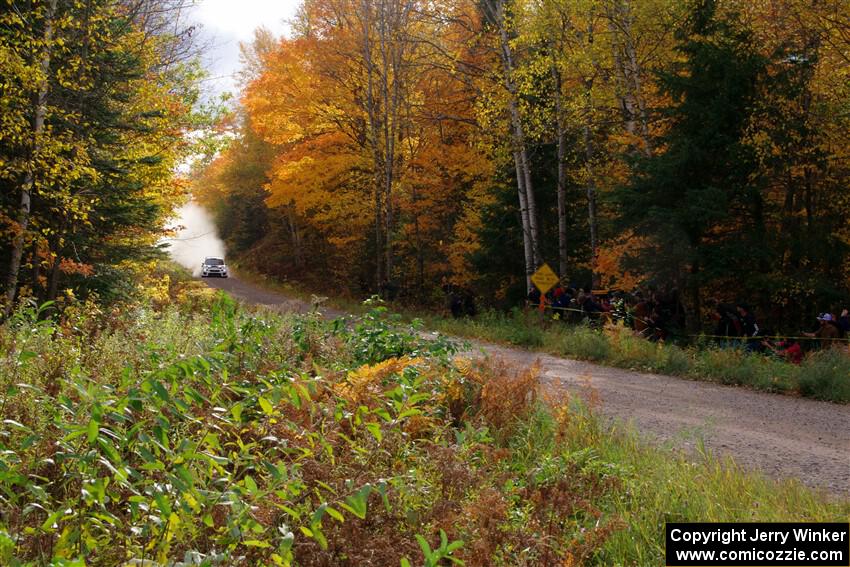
x=16, y=424
x=334, y=513
x=163, y=504
x=266, y=405
x=236, y=410
x=50, y=523
x=160, y=390
x=426, y=549
x=356, y=503
x=26, y=355
x=408, y=413
x=93, y=430
x=375, y=429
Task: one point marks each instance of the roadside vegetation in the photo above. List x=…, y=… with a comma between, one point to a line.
x=187, y=430
x=823, y=374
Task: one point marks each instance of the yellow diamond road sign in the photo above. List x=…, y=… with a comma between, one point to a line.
x=544, y=278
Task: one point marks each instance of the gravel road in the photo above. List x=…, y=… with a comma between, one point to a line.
x=782, y=436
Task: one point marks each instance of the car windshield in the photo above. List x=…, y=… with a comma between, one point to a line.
x=214, y=262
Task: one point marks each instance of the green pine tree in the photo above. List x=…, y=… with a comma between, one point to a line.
x=698, y=199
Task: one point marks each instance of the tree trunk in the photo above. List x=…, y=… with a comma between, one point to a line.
x=417, y=235
x=385, y=80
x=562, y=176
x=379, y=244
x=295, y=236
x=591, y=191
x=532, y=208
x=630, y=72
x=524, y=182
x=29, y=178
x=53, y=284
x=494, y=14
x=526, y=231
x=36, y=271
x=693, y=322
x=399, y=44
x=389, y=123
x=809, y=198
x=373, y=140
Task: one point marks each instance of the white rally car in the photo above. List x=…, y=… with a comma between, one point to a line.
x=213, y=267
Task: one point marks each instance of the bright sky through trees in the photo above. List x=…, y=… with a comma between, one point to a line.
x=226, y=23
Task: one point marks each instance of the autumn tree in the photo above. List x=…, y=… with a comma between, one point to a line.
x=370, y=94
x=104, y=93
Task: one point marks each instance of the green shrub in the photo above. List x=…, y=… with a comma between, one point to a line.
x=585, y=343
x=524, y=336
x=736, y=366
x=378, y=335
x=727, y=366
x=677, y=361
x=825, y=375
x=630, y=351
x=516, y=328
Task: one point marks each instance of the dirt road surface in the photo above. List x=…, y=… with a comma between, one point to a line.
x=782, y=436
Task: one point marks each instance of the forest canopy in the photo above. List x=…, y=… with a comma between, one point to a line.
x=402, y=146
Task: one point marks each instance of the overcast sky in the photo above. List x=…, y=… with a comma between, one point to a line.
x=226, y=23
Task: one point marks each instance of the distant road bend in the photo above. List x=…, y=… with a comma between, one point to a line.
x=782, y=436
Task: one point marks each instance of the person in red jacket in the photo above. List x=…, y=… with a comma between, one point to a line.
x=789, y=350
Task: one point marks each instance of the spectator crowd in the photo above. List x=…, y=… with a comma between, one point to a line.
x=660, y=315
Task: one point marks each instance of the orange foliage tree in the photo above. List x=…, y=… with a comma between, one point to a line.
x=372, y=130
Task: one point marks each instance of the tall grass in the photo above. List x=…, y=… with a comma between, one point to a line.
x=661, y=486
x=823, y=375
x=203, y=433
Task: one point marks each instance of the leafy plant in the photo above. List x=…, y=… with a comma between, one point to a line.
x=225, y=436
x=379, y=335
x=433, y=557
